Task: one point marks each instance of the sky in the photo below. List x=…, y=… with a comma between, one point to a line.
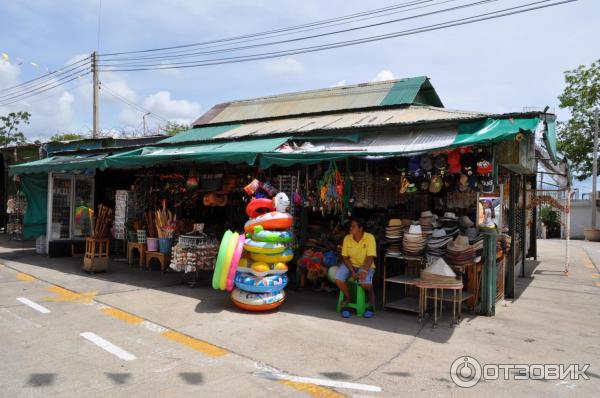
x=499, y=65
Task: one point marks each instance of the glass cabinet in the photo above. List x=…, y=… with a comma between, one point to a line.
x=71, y=203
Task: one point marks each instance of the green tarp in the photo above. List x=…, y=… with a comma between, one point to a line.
x=61, y=163
x=550, y=139
x=491, y=130
x=35, y=187
x=224, y=152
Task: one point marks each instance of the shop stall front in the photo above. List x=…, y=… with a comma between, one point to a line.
x=433, y=184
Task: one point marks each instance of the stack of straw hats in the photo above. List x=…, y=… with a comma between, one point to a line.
x=439, y=273
x=460, y=252
x=414, y=242
x=427, y=222
x=449, y=223
x=436, y=245
x=393, y=236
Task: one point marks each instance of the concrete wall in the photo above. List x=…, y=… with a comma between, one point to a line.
x=581, y=216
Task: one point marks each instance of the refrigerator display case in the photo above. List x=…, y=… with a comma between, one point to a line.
x=71, y=201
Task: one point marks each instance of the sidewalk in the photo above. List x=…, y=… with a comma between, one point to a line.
x=554, y=319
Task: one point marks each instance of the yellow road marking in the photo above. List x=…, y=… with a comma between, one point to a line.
x=25, y=277
x=193, y=343
x=598, y=284
x=68, y=295
x=122, y=315
x=312, y=389
x=596, y=276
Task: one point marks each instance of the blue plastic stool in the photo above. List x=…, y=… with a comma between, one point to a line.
x=360, y=299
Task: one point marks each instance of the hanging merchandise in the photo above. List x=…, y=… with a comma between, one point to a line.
x=331, y=190
x=194, y=252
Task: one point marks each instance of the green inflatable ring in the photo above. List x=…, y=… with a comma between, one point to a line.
x=216, y=279
x=233, y=241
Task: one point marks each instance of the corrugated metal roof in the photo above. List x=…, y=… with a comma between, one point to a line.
x=334, y=99
x=325, y=123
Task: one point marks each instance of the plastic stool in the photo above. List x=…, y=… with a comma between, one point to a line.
x=360, y=301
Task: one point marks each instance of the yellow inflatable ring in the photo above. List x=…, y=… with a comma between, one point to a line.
x=253, y=246
x=284, y=257
x=233, y=241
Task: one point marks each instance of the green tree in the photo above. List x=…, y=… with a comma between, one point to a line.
x=173, y=128
x=581, y=96
x=10, y=128
x=66, y=137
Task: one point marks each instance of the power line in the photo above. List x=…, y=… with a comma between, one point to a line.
x=41, y=91
x=260, y=56
x=137, y=107
x=315, y=36
x=409, y=3
x=285, y=32
x=47, y=76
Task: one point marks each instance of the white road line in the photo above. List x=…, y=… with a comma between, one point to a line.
x=33, y=305
x=321, y=382
x=108, y=346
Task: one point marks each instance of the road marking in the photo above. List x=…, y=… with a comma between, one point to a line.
x=122, y=315
x=595, y=276
x=319, y=382
x=312, y=390
x=33, y=305
x=36, y=325
x=153, y=327
x=25, y=277
x=108, y=346
x=68, y=295
x=198, y=345
x=597, y=284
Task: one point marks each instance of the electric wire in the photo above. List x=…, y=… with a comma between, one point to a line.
x=132, y=104
x=21, y=98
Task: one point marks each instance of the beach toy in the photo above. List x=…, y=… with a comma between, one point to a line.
x=233, y=241
x=254, y=284
x=235, y=261
x=260, y=269
x=281, y=202
x=263, y=247
x=284, y=257
x=272, y=220
x=262, y=235
x=216, y=279
x=257, y=301
x=331, y=273
x=280, y=268
x=253, y=209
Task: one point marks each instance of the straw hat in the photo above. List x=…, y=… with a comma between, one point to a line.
x=439, y=273
x=425, y=214
x=465, y=222
x=414, y=230
x=449, y=216
x=460, y=244
x=394, y=222
x=438, y=233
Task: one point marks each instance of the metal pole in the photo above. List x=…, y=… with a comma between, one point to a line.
x=144, y=121
x=96, y=89
x=594, y=168
x=567, y=259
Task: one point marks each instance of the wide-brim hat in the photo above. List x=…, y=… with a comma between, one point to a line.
x=460, y=244
x=449, y=216
x=426, y=162
x=393, y=222
x=465, y=222
x=436, y=184
x=440, y=162
x=439, y=233
x=414, y=230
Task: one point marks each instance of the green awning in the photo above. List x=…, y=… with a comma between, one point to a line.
x=225, y=152
x=58, y=164
x=491, y=130
x=35, y=187
x=550, y=139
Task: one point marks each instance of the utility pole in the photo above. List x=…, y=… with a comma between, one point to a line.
x=96, y=102
x=594, y=168
x=144, y=121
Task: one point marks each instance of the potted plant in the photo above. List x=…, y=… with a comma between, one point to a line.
x=551, y=221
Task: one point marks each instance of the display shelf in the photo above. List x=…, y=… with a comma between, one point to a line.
x=402, y=279
x=404, y=304
x=448, y=295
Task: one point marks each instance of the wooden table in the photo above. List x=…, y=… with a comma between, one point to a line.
x=455, y=296
x=163, y=259
x=141, y=249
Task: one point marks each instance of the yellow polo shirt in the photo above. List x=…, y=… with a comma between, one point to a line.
x=359, y=251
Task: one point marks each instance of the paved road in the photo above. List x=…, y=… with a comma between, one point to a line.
x=138, y=333
x=61, y=343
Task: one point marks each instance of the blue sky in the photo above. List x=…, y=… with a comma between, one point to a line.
x=498, y=66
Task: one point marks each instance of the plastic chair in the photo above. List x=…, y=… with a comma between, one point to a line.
x=360, y=299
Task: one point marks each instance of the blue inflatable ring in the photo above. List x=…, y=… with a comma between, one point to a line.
x=267, y=284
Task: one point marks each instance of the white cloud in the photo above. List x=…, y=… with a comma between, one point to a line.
x=162, y=105
x=383, y=76
x=340, y=83
x=285, y=65
x=9, y=74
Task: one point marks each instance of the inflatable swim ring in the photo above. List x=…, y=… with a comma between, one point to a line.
x=233, y=241
x=216, y=279
x=254, y=284
x=281, y=202
x=262, y=235
x=253, y=209
x=257, y=301
x=263, y=247
x=260, y=269
x=272, y=220
x=284, y=257
x=280, y=268
x=237, y=257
